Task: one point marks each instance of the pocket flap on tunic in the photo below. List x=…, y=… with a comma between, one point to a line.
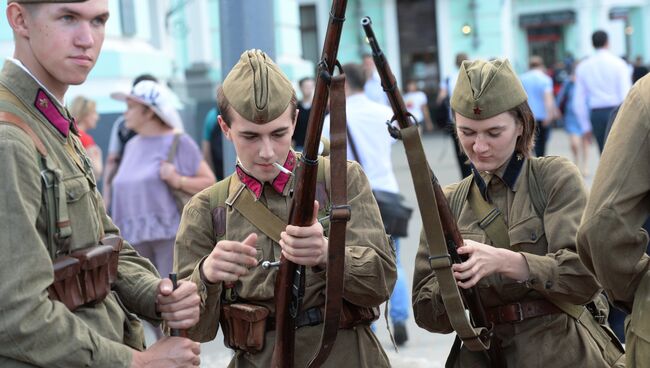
x=75, y=188
x=527, y=231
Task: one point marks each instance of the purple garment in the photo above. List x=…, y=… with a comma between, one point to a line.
x=143, y=206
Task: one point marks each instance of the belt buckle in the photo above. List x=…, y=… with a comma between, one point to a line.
x=519, y=311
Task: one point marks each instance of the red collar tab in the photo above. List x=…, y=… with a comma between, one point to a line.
x=48, y=108
x=279, y=183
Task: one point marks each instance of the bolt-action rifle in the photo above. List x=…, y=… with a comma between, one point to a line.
x=439, y=224
x=290, y=281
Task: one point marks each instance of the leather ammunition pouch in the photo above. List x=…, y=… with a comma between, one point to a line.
x=244, y=326
x=85, y=277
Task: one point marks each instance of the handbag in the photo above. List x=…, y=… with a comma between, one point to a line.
x=181, y=197
x=394, y=214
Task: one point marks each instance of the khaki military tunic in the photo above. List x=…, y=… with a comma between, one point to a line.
x=37, y=332
x=370, y=272
x=548, y=245
x=611, y=241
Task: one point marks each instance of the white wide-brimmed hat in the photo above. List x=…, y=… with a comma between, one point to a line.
x=157, y=98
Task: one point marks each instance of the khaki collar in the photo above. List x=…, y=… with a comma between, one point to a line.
x=280, y=183
x=508, y=173
x=28, y=90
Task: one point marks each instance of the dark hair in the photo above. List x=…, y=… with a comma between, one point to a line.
x=354, y=76
x=224, y=106
x=144, y=77
x=303, y=80
x=460, y=57
x=599, y=39
x=526, y=141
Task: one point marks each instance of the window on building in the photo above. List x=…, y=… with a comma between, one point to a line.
x=309, y=33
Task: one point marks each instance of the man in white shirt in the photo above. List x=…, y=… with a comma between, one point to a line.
x=370, y=144
x=602, y=82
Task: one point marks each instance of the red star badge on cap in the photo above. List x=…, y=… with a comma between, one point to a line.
x=477, y=110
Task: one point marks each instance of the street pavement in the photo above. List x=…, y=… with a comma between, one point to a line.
x=423, y=349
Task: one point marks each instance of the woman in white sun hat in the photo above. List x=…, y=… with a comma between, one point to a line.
x=143, y=204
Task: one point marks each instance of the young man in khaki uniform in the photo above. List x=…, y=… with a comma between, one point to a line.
x=219, y=249
x=57, y=44
x=611, y=242
x=522, y=260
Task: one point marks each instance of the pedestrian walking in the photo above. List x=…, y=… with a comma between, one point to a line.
x=447, y=86
x=417, y=104
x=143, y=202
x=371, y=146
x=611, y=242
x=117, y=139
x=522, y=260
x=602, y=81
x=306, y=86
x=220, y=249
x=72, y=292
x=539, y=88
x=579, y=140
x=85, y=114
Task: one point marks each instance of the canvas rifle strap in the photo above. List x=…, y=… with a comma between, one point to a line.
x=439, y=257
x=257, y=213
x=339, y=216
x=493, y=223
x=59, y=229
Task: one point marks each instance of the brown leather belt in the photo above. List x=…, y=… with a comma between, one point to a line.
x=517, y=312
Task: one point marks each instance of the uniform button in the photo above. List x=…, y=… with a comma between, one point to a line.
x=549, y=284
x=533, y=236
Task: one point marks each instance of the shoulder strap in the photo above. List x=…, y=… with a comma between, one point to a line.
x=172, y=151
x=257, y=213
x=58, y=221
x=537, y=194
x=490, y=219
x=218, y=196
x=459, y=196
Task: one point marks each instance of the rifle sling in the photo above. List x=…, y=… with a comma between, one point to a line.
x=339, y=216
x=257, y=213
x=440, y=260
x=495, y=227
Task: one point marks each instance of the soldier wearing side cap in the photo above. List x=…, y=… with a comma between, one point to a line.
x=518, y=216
x=70, y=288
x=220, y=249
x=611, y=241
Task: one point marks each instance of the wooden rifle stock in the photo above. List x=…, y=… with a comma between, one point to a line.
x=289, y=284
x=451, y=233
x=175, y=331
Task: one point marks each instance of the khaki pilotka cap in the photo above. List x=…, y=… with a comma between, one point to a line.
x=256, y=88
x=486, y=88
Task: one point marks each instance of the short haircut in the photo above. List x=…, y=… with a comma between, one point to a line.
x=303, y=80
x=460, y=57
x=535, y=62
x=599, y=39
x=354, y=76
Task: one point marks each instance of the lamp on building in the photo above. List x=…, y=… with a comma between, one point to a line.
x=466, y=29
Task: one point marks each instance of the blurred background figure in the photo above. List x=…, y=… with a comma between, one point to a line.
x=443, y=114
x=306, y=86
x=84, y=111
x=578, y=140
x=539, y=88
x=602, y=82
x=143, y=204
x=372, y=87
x=639, y=69
x=120, y=134
x=212, y=142
x=370, y=145
x=416, y=102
